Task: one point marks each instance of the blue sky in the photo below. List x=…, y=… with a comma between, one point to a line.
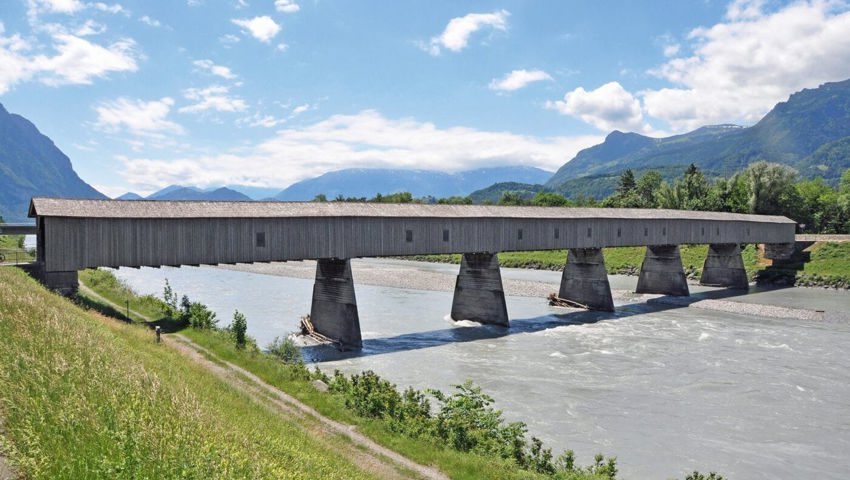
x=144, y=94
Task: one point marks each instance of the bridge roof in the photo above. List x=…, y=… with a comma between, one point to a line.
x=62, y=207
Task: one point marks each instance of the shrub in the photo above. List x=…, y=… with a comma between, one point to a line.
x=201, y=317
x=239, y=327
x=285, y=350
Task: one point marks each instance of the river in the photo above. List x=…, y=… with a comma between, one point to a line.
x=666, y=389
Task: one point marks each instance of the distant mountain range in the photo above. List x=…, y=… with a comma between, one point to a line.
x=366, y=182
x=810, y=132
x=31, y=165
x=178, y=192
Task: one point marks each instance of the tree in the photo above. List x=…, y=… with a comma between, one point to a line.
x=455, y=200
x=239, y=327
x=549, y=199
x=771, y=188
x=320, y=198
x=201, y=317
x=732, y=194
x=646, y=189
x=170, y=300
x=627, y=183
x=512, y=198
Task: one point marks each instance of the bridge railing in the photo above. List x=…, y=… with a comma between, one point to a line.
x=17, y=256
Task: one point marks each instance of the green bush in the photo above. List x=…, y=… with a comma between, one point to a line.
x=285, y=350
x=239, y=328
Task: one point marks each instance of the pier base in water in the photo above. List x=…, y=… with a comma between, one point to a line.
x=661, y=272
x=724, y=267
x=479, y=295
x=334, y=307
x=585, y=280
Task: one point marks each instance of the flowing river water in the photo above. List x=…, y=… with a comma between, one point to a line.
x=666, y=388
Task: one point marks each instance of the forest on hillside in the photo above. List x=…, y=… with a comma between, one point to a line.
x=762, y=188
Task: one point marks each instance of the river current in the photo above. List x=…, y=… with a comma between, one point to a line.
x=665, y=389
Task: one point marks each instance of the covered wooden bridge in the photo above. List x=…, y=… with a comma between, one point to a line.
x=77, y=234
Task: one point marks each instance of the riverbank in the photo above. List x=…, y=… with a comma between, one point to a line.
x=818, y=261
x=85, y=396
x=666, y=389
x=419, y=276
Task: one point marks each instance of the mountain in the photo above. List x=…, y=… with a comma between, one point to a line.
x=366, y=182
x=32, y=165
x=176, y=192
x=810, y=132
x=493, y=193
x=130, y=196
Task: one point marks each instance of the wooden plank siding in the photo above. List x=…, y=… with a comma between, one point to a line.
x=75, y=242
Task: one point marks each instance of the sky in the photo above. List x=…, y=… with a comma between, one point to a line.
x=145, y=94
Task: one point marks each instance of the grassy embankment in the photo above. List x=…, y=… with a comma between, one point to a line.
x=291, y=380
x=85, y=396
x=822, y=264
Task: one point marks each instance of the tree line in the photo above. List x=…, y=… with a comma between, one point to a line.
x=763, y=188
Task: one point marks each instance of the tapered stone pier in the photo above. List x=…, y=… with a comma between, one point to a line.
x=479, y=295
x=334, y=308
x=585, y=280
x=724, y=267
x=662, y=272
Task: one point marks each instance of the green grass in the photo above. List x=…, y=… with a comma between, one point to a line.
x=287, y=378
x=110, y=287
x=82, y=396
x=293, y=380
x=829, y=259
x=10, y=247
x=617, y=260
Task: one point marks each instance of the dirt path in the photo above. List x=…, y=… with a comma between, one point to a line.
x=345, y=439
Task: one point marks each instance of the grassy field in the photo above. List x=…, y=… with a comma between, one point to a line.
x=84, y=396
x=292, y=380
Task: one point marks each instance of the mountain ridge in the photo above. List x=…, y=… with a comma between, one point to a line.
x=810, y=132
x=32, y=165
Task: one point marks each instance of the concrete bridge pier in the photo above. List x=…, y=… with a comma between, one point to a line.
x=585, y=279
x=334, y=308
x=662, y=272
x=479, y=295
x=724, y=267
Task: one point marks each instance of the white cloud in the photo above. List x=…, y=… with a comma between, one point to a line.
x=262, y=28
x=147, y=119
x=282, y=47
x=740, y=69
x=215, y=97
x=54, y=6
x=90, y=28
x=15, y=66
x=518, y=79
x=301, y=109
x=456, y=35
x=214, y=69
x=228, y=40
x=744, y=9
x=103, y=7
x=286, y=6
x=78, y=61
x=609, y=107
x=366, y=139
x=151, y=22
x=259, y=120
